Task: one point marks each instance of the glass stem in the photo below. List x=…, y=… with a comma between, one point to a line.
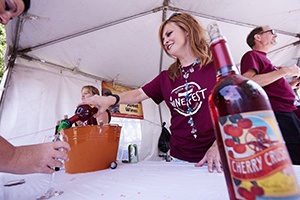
x=51, y=180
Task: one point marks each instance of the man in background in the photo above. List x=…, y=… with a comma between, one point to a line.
x=256, y=66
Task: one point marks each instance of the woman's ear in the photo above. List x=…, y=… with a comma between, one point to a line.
x=187, y=33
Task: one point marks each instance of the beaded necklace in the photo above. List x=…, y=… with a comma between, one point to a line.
x=187, y=95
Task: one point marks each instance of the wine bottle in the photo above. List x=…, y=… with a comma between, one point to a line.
x=254, y=157
x=82, y=113
x=58, y=123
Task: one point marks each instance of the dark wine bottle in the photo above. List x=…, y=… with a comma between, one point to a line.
x=58, y=123
x=254, y=157
x=82, y=113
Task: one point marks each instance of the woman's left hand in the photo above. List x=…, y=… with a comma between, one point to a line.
x=212, y=157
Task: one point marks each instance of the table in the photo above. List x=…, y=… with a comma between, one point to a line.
x=146, y=180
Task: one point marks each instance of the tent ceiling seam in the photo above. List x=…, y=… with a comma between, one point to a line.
x=229, y=21
x=90, y=30
x=75, y=70
x=285, y=46
x=164, y=8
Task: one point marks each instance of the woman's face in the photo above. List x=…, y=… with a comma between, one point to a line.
x=85, y=93
x=10, y=9
x=174, y=39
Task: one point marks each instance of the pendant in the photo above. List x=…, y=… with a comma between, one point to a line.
x=192, y=69
x=186, y=85
x=194, y=130
x=187, y=96
x=186, y=75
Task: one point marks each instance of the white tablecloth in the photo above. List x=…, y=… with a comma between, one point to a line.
x=147, y=180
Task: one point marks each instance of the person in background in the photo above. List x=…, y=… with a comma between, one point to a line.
x=256, y=66
x=88, y=91
x=37, y=158
x=185, y=87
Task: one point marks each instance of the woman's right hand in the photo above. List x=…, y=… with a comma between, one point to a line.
x=100, y=102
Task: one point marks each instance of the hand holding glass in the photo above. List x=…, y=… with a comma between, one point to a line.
x=51, y=191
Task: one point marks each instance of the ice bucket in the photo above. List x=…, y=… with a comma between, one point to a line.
x=92, y=147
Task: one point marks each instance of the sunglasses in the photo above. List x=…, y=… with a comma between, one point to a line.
x=271, y=31
x=173, y=15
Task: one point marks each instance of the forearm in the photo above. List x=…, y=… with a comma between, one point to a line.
x=11, y=159
x=267, y=78
x=132, y=96
x=128, y=97
x=104, y=102
x=31, y=158
x=7, y=152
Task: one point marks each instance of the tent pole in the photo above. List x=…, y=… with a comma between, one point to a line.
x=11, y=61
x=164, y=16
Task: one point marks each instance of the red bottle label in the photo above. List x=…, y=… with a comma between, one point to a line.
x=257, y=156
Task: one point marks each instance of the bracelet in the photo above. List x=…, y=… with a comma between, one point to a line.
x=117, y=98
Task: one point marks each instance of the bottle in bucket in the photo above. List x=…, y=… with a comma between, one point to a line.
x=92, y=148
x=82, y=113
x=254, y=157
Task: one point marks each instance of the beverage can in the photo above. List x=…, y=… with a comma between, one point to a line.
x=132, y=153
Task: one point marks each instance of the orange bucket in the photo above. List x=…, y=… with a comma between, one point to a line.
x=92, y=147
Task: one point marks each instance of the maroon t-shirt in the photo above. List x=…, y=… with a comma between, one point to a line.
x=280, y=93
x=183, y=145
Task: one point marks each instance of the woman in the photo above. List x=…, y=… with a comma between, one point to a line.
x=88, y=91
x=185, y=88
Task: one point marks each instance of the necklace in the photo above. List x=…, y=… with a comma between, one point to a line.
x=186, y=74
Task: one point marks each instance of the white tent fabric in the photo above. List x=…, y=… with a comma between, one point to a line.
x=59, y=46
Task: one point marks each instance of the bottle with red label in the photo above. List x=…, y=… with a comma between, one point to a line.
x=82, y=113
x=254, y=157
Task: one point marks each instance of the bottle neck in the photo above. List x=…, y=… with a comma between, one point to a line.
x=74, y=118
x=226, y=70
x=223, y=61
x=65, y=124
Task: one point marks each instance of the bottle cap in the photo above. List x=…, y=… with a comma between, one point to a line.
x=63, y=125
x=214, y=32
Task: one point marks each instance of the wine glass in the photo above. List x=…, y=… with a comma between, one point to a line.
x=51, y=191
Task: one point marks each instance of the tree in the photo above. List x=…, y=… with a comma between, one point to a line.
x=2, y=49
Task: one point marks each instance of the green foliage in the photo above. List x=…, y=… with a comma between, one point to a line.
x=2, y=49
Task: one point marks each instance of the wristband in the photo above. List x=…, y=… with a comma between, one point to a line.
x=117, y=98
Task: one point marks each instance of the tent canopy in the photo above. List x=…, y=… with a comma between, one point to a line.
x=58, y=46
x=113, y=40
